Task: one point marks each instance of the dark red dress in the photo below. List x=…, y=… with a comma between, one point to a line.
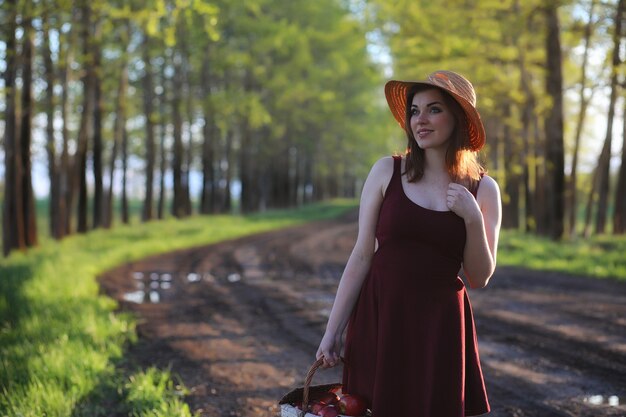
x=411, y=345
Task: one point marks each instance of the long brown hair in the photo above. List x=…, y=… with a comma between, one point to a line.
x=463, y=165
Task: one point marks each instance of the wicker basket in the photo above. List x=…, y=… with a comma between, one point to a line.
x=304, y=394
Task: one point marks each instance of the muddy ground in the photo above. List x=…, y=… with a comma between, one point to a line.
x=239, y=323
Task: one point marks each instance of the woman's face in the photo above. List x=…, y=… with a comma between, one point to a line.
x=432, y=121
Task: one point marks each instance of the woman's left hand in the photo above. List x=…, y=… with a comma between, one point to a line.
x=463, y=203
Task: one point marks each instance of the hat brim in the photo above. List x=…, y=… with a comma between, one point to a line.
x=396, y=91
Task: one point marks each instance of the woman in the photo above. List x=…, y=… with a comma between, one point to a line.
x=411, y=348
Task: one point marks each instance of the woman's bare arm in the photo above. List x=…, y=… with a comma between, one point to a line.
x=359, y=261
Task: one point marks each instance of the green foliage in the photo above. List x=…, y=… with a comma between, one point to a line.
x=154, y=394
x=60, y=338
x=599, y=256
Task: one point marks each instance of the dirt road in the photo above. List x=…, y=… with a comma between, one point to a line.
x=239, y=323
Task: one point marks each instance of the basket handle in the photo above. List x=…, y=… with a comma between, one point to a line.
x=307, y=384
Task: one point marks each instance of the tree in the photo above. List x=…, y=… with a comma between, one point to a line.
x=555, y=162
x=13, y=233
x=98, y=110
x=619, y=218
x=49, y=108
x=119, y=127
x=148, y=106
x=601, y=178
x=584, y=98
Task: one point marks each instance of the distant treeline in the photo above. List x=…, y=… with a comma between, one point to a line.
x=279, y=95
x=285, y=97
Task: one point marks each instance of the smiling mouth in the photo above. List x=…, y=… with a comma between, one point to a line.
x=423, y=133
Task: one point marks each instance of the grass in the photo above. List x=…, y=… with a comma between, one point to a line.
x=600, y=256
x=60, y=340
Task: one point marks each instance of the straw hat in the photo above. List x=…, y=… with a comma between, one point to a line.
x=454, y=84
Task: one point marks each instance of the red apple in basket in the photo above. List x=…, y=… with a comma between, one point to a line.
x=329, y=411
x=328, y=398
x=352, y=405
x=315, y=407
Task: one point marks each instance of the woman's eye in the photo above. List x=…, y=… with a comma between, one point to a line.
x=414, y=112
x=435, y=110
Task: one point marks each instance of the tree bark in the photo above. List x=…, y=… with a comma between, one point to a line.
x=619, y=217
x=188, y=164
x=178, y=203
x=604, y=161
x=28, y=109
x=572, y=191
x=118, y=131
x=207, y=196
x=85, y=132
x=555, y=162
x=162, y=169
x=98, y=190
x=148, y=108
x=162, y=150
x=124, y=198
x=49, y=105
x=511, y=200
x=12, y=213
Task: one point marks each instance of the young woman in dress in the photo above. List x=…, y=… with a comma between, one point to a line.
x=411, y=347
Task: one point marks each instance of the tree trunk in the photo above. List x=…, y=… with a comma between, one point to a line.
x=162, y=150
x=85, y=132
x=207, y=197
x=124, y=198
x=118, y=132
x=98, y=190
x=12, y=213
x=189, y=149
x=604, y=161
x=555, y=162
x=250, y=168
x=228, y=172
x=511, y=200
x=49, y=105
x=178, y=204
x=591, y=198
x=619, y=217
x=528, y=154
x=572, y=192
x=294, y=175
x=162, y=169
x=28, y=109
x=148, y=107
x=67, y=184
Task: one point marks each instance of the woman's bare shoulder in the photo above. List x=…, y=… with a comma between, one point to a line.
x=381, y=172
x=383, y=165
x=488, y=183
x=488, y=190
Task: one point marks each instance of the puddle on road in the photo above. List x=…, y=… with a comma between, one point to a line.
x=148, y=287
x=610, y=400
x=193, y=277
x=234, y=277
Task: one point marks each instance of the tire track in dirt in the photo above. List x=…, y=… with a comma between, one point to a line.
x=240, y=322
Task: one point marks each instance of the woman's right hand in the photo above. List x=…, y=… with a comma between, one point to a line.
x=330, y=349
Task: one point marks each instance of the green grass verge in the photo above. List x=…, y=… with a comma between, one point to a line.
x=60, y=339
x=599, y=256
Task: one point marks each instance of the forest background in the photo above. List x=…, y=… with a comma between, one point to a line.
x=193, y=106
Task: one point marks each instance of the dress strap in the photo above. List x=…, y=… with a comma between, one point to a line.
x=397, y=164
x=396, y=177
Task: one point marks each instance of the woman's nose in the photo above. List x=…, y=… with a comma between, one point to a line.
x=421, y=118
